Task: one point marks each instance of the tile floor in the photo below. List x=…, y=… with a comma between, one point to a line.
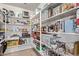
x=27, y=52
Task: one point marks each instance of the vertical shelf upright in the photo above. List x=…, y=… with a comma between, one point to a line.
x=40, y=33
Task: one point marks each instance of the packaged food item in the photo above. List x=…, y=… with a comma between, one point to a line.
x=77, y=21
x=56, y=27
x=59, y=26
x=57, y=10
x=51, y=28
x=12, y=43
x=77, y=14
x=49, y=12
x=67, y=6
x=21, y=42
x=62, y=26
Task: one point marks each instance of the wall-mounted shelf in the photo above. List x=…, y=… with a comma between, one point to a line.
x=13, y=17
x=16, y=24
x=18, y=48
x=62, y=33
x=15, y=38
x=15, y=33
x=61, y=15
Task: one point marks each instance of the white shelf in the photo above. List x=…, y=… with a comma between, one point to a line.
x=17, y=24
x=70, y=33
x=17, y=17
x=61, y=15
x=14, y=38
x=64, y=14
x=18, y=48
x=42, y=43
x=62, y=33
x=12, y=32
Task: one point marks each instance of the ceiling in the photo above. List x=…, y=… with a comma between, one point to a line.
x=28, y=6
